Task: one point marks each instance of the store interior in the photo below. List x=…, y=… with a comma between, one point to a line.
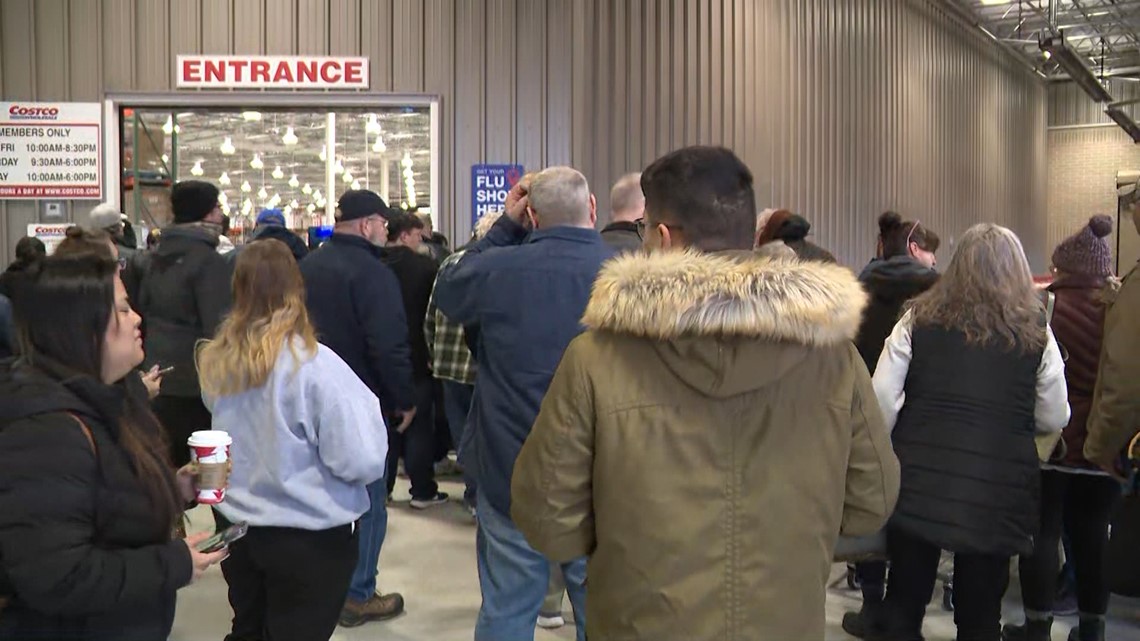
x=295, y=160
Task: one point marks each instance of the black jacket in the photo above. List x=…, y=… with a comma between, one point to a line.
x=12, y=278
x=622, y=236
x=965, y=442
x=291, y=240
x=7, y=330
x=890, y=284
x=183, y=295
x=82, y=555
x=416, y=275
x=355, y=302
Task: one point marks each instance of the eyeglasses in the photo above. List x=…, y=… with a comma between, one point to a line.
x=641, y=225
x=911, y=234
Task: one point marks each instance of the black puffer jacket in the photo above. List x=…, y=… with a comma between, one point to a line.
x=416, y=274
x=890, y=284
x=82, y=554
x=183, y=294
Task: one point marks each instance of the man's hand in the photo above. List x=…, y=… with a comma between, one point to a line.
x=517, y=201
x=406, y=417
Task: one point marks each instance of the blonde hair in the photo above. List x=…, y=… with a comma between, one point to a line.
x=269, y=311
x=485, y=223
x=987, y=293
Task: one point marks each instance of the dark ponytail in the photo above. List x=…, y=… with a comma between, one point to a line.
x=897, y=234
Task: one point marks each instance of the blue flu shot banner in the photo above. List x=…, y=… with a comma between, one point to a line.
x=489, y=187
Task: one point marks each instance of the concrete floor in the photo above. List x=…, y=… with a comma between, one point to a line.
x=429, y=556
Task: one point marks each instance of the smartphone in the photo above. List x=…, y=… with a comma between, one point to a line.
x=224, y=538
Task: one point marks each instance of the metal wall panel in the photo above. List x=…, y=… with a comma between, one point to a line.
x=841, y=109
x=1069, y=105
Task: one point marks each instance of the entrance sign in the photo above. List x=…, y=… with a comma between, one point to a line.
x=271, y=72
x=489, y=187
x=52, y=234
x=51, y=150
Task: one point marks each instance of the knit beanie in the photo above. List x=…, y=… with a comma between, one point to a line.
x=193, y=200
x=1086, y=252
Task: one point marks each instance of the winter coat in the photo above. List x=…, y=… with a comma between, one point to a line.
x=82, y=555
x=705, y=443
x=1115, y=416
x=276, y=232
x=355, y=303
x=890, y=284
x=416, y=275
x=1078, y=323
x=7, y=330
x=622, y=236
x=526, y=293
x=183, y=295
x=965, y=419
x=12, y=279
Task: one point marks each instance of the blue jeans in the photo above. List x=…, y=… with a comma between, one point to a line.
x=513, y=578
x=457, y=405
x=373, y=528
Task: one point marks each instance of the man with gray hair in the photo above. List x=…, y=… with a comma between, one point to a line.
x=628, y=206
x=524, y=286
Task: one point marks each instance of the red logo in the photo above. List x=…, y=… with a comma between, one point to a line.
x=18, y=112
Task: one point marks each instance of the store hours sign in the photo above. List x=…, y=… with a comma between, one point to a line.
x=51, y=150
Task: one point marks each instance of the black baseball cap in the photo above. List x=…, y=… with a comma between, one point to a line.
x=360, y=203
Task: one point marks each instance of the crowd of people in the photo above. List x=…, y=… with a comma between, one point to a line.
x=675, y=420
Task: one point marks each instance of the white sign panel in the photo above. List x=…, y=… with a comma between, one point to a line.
x=51, y=150
x=271, y=72
x=52, y=234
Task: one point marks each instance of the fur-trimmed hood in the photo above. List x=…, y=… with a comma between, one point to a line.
x=668, y=295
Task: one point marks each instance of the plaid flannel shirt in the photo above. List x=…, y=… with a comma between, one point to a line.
x=447, y=345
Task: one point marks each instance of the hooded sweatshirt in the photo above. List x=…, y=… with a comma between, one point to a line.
x=724, y=388
x=890, y=284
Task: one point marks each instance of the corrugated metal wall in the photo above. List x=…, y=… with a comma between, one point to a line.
x=843, y=108
x=1069, y=105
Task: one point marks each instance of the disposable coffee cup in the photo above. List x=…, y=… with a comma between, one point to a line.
x=210, y=450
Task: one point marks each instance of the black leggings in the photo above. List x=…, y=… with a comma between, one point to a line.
x=979, y=584
x=1082, y=504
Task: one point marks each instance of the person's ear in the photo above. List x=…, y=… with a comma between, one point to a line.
x=667, y=240
x=593, y=209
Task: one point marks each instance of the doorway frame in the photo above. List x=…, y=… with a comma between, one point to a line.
x=242, y=100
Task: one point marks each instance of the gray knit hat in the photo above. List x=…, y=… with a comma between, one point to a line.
x=1086, y=252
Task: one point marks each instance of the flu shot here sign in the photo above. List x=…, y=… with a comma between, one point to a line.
x=489, y=187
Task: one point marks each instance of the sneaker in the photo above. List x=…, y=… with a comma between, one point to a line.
x=422, y=504
x=377, y=608
x=551, y=621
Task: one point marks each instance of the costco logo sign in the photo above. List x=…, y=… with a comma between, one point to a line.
x=39, y=112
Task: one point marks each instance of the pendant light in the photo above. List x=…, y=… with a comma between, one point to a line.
x=293, y=182
x=227, y=147
x=245, y=186
x=307, y=189
x=224, y=179
x=356, y=184
x=256, y=162
x=379, y=146
x=373, y=126
x=290, y=137
x=197, y=170
x=277, y=173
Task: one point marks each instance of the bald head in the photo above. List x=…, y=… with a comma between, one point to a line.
x=627, y=203
x=560, y=196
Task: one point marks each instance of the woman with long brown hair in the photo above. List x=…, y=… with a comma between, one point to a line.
x=308, y=436
x=88, y=497
x=967, y=380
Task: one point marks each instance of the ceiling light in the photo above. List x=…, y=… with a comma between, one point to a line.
x=165, y=158
x=310, y=208
x=379, y=146
x=338, y=167
x=274, y=201
x=324, y=155
x=245, y=186
x=224, y=179
x=317, y=195
x=262, y=194
x=251, y=116
x=246, y=207
x=1048, y=54
x=256, y=162
x=408, y=173
x=356, y=184
x=990, y=3
x=407, y=161
x=1078, y=71
x=196, y=170
x=306, y=189
x=294, y=204
x=228, y=148
x=223, y=198
x=168, y=126
x=347, y=177
x=293, y=182
x=290, y=137
x=288, y=210
x=373, y=126
x=277, y=173
x=226, y=209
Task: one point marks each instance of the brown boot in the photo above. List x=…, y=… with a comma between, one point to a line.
x=379, y=607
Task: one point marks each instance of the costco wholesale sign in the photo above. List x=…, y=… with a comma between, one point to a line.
x=51, y=150
x=276, y=72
